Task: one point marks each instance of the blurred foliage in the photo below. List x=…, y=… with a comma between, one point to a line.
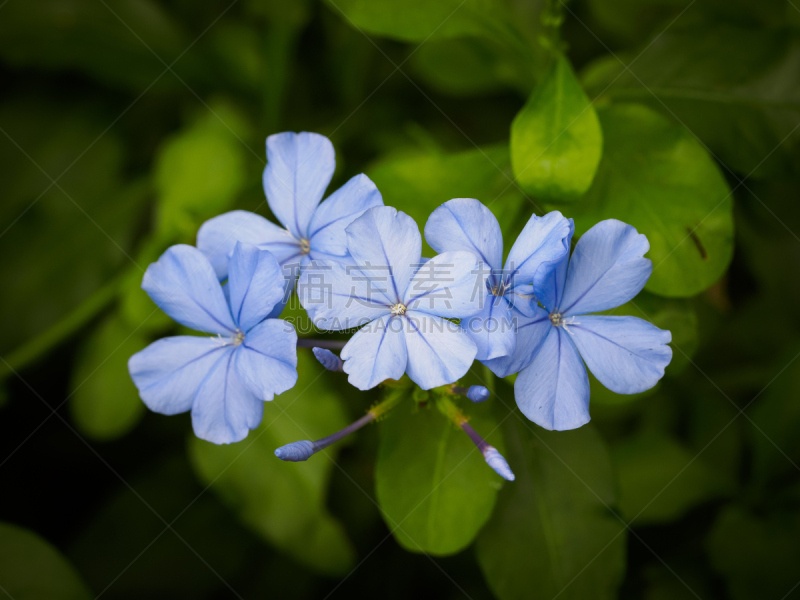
x=124, y=125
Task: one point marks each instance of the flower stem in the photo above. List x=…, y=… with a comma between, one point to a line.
x=327, y=344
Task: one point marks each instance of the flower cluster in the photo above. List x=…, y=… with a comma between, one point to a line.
x=357, y=264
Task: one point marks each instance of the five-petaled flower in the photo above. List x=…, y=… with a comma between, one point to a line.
x=466, y=224
x=224, y=380
x=626, y=354
x=388, y=290
x=299, y=169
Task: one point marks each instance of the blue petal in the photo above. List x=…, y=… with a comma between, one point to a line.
x=606, y=268
x=224, y=410
x=169, y=371
x=478, y=393
x=626, y=354
x=326, y=230
x=540, y=243
x=450, y=285
x=439, y=352
x=548, y=283
x=299, y=168
x=266, y=362
x=466, y=224
x=531, y=332
x=183, y=284
x=376, y=352
x=339, y=296
x=218, y=236
x=493, y=329
x=256, y=285
x=553, y=391
x=296, y=451
x=388, y=243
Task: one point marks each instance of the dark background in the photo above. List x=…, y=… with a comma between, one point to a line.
x=126, y=124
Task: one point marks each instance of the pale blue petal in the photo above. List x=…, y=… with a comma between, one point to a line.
x=493, y=329
x=439, y=352
x=388, y=243
x=224, y=410
x=626, y=354
x=466, y=224
x=541, y=242
x=376, y=352
x=328, y=359
x=266, y=361
x=183, y=284
x=256, y=285
x=299, y=168
x=548, y=284
x=606, y=268
x=342, y=207
x=218, y=236
x=339, y=296
x=169, y=371
x=531, y=332
x=450, y=285
x=553, y=391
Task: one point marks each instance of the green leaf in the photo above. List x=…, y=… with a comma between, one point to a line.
x=418, y=183
x=285, y=502
x=660, y=480
x=104, y=402
x=433, y=485
x=655, y=176
x=201, y=170
x=556, y=141
x=553, y=532
x=756, y=555
x=735, y=88
x=418, y=20
x=31, y=568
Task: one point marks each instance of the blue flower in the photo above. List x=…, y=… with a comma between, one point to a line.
x=626, y=354
x=403, y=302
x=299, y=169
x=467, y=225
x=224, y=380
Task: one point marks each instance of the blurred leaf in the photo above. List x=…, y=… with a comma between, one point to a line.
x=556, y=141
x=420, y=20
x=715, y=431
x=131, y=544
x=553, y=532
x=776, y=417
x=633, y=20
x=655, y=176
x=757, y=556
x=32, y=569
x=61, y=242
x=201, y=170
x=736, y=89
x=104, y=403
x=468, y=66
x=418, y=183
x=110, y=41
x=660, y=480
x=285, y=502
x=434, y=488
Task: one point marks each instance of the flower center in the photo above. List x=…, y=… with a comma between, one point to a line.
x=305, y=246
x=499, y=290
x=237, y=338
x=556, y=319
x=399, y=309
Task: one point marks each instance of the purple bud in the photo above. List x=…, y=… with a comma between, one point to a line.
x=478, y=393
x=495, y=460
x=296, y=451
x=328, y=359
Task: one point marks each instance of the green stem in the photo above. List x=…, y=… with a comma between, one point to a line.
x=35, y=348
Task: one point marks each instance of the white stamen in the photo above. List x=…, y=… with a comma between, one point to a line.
x=398, y=309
